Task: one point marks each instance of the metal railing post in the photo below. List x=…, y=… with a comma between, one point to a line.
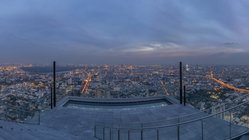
x=178, y=129
x=51, y=98
x=39, y=117
x=184, y=95
x=180, y=82
x=230, y=124
x=202, y=131
x=103, y=133
x=142, y=134
x=95, y=129
x=178, y=132
x=118, y=134
x=54, y=82
x=110, y=133
x=128, y=134
x=157, y=134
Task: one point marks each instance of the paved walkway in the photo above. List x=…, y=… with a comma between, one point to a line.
x=73, y=123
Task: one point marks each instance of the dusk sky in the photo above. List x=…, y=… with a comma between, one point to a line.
x=124, y=31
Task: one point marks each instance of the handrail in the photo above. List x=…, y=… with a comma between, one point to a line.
x=194, y=120
x=161, y=121
x=14, y=107
x=151, y=122
x=178, y=125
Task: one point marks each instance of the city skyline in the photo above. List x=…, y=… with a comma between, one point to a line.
x=130, y=32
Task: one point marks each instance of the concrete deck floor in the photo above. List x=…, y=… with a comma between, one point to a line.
x=69, y=123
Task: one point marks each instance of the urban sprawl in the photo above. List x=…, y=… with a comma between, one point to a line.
x=26, y=89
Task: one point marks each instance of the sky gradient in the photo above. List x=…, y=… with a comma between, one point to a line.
x=124, y=31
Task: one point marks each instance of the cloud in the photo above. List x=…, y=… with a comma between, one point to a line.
x=174, y=50
x=94, y=29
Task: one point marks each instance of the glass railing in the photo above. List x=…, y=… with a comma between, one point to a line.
x=224, y=125
x=179, y=119
x=23, y=94
x=13, y=114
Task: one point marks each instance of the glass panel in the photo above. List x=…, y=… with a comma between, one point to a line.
x=215, y=127
x=99, y=131
x=24, y=93
x=239, y=120
x=107, y=133
x=123, y=134
x=114, y=134
x=191, y=131
x=149, y=134
x=168, y=133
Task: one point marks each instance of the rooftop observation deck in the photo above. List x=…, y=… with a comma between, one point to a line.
x=156, y=118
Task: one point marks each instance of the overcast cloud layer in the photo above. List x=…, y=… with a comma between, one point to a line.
x=124, y=31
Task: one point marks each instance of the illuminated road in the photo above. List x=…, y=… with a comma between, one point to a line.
x=164, y=87
x=222, y=83
x=87, y=83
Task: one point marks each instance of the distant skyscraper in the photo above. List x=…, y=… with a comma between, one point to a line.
x=187, y=67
